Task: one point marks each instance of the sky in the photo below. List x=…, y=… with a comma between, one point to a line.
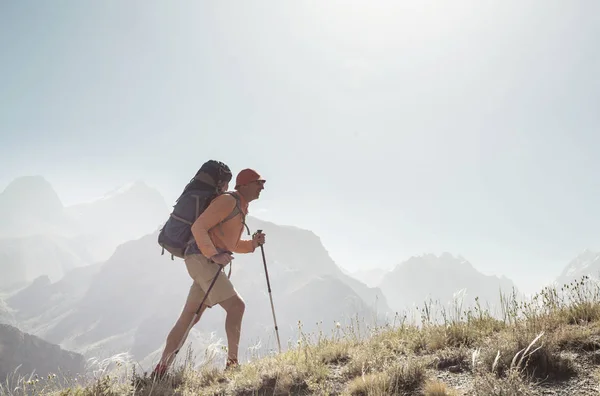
x=388, y=128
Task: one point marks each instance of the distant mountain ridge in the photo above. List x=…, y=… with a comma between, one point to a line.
x=24, y=259
x=126, y=213
x=587, y=263
x=420, y=278
x=40, y=236
x=30, y=206
x=371, y=277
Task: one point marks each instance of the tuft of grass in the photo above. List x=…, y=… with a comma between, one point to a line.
x=451, y=359
x=578, y=338
x=513, y=351
x=101, y=386
x=490, y=385
x=398, y=379
x=293, y=371
x=330, y=352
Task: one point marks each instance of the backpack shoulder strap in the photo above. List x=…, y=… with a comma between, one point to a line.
x=236, y=210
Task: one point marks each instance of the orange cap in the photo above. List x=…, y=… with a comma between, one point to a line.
x=247, y=176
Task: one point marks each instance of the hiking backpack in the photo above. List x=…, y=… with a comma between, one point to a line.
x=176, y=234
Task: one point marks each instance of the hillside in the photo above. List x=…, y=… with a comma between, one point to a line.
x=34, y=355
x=547, y=346
x=300, y=250
x=6, y=314
x=42, y=303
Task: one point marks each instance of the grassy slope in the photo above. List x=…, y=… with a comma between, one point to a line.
x=548, y=343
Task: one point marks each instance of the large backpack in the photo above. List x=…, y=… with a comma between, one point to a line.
x=176, y=234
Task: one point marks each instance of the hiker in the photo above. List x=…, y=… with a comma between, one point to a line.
x=210, y=248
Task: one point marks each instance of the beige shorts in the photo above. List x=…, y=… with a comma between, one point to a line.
x=203, y=271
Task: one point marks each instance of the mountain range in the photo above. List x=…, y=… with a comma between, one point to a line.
x=40, y=236
x=30, y=206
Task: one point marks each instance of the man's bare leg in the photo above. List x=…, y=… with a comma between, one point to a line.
x=177, y=334
x=234, y=306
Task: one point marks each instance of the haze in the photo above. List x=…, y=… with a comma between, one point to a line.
x=389, y=129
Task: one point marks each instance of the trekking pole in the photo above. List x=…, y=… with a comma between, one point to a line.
x=197, y=313
x=262, y=249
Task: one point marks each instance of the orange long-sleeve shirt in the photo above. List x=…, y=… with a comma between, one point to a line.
x=227, y=235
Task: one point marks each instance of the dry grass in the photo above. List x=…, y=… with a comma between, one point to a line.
x=454, y=360
x=437, y=388
x=503, y=355
x=490, y=385
x=332, y=352
x=522, y=351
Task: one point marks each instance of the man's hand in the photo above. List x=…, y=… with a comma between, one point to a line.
x=258, y=239
x=222, y=258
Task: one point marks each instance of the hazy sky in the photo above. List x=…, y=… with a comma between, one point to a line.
x=388, y=128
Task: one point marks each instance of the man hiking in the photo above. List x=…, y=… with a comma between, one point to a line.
x=211, y=247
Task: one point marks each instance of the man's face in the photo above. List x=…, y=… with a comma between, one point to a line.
x=255, y=188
